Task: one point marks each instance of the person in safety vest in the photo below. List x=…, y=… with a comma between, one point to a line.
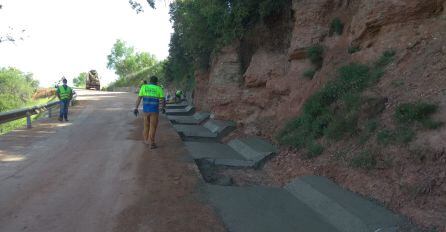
x=64, y=93
x=151, y=95
x=178, y=96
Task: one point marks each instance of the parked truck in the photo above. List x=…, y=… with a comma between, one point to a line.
x=93, y=80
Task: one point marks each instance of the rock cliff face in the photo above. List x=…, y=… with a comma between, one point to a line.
x=258, y=81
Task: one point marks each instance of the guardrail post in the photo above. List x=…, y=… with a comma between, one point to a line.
x=28, y=120
x=49, y=112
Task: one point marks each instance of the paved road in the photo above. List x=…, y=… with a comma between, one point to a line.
x=94, y=174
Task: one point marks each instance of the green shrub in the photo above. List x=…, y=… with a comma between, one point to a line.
x=271, y=7
x=340, y=155
x=385, y=137
x=332, y=111
x=369, y=129
x=365, y=160
x=309, y=73
x=341, y=125
x=404, y=135
x=314, y=150
x=353, y=49
x=315, y=54
x=386, y=58
x=430, y=124
x=336, y=26
x=401, y=135
x=411, y=112
x=371, y=126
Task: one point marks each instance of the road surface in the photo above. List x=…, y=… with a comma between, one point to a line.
x=95, y=174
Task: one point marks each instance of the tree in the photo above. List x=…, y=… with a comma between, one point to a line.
x=203, y=27
x=131, y=66
x=80, y=80
x=138, y=7
x=16, y=88
x=12, y=35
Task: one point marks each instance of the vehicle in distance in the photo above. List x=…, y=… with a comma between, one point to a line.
x=92, y=81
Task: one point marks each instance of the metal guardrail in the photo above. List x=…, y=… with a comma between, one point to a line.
x=28, y=112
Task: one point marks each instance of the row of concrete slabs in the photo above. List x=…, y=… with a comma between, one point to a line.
x=307, y=204
x=202, y=138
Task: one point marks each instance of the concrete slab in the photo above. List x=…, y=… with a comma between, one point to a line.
x=217, y=154
x=247, y=152
x=200, y=150
x=253, y=148
x=261, y=209
x=194, y=132
x=212, y=129
x=343, y=209
x=219, y=126
x=196, y=119
x=181, y=105
x=309, y=203
x=189, y=110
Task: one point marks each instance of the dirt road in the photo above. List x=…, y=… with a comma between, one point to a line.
x=94, y=174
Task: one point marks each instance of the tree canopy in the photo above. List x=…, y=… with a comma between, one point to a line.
x=203, y=27
x=80, y=80
x=132, y=67
x=16, y=88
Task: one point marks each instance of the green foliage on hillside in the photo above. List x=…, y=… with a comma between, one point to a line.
x=408, y=113
x=333, y=111
x=336, y=27
x=309, y=73
x=203, y=27
x=353, y=49
x=316, y=55
x=409, y=116
x=132, y=67
x=365, y=160
x=16, y=88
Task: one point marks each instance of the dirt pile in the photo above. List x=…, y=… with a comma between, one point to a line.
x=263, y=80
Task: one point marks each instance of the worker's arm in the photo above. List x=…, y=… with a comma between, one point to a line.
x=138, y=101
x=163, y=105
x=136, y=111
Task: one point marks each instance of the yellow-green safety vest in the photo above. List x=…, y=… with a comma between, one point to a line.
x=151, y=90
x=65, y=93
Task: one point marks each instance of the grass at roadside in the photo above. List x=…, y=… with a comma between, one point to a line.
x=9, y=126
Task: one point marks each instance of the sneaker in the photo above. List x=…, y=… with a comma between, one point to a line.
x=153, y=146
x=60, y=119
x=66, y=120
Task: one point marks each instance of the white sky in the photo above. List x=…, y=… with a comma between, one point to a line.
x=66, y=37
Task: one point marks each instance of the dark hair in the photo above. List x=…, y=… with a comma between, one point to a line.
x=64, y=80
x=153, y=79
x=145, y=82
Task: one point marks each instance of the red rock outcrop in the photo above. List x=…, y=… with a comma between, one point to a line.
x=272, y=89
x=258, y=81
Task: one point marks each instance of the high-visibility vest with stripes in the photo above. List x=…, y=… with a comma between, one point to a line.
x=65, y=93
x=151, y=95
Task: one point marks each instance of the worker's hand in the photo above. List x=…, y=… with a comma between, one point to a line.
x=136, y=112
